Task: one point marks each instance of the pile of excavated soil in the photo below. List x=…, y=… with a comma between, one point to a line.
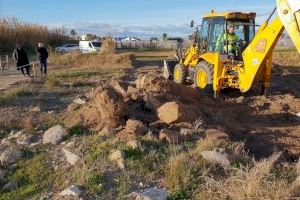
x=165, y=108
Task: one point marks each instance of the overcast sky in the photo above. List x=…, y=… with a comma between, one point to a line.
x=126, y=17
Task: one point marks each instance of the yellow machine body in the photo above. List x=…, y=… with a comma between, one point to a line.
x=256, y=59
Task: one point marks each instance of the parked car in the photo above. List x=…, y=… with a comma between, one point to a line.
x=67, y=48
x=89, y=46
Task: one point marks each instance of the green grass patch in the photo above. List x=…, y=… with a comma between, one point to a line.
x=33, y=177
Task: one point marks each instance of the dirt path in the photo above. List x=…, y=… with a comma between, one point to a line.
x=9, y=80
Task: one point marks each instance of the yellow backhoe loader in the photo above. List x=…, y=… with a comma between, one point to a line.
x=217, y=60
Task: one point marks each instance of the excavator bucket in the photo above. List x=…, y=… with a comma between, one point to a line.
x=289, y=13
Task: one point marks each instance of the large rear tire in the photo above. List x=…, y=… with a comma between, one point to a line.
x=203, y=78
x=180, y=74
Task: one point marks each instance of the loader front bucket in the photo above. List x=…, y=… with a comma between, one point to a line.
x=289, y=13
x=169, y=66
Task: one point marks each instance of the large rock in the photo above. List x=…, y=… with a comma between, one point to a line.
x=217, y=158
x=2, y=174
x=136, y=127
x=71, y=157
x=153, y=194
x=54, y=135
x=111, y=107
x=12, y=185
x=10, y=155
x=174, y=112
x=71, y=191
x=118, y=157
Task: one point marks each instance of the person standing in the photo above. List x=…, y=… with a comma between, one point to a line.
x=21, y=60
x=43, y=56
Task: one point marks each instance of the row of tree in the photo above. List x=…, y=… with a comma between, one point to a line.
x=13, y=31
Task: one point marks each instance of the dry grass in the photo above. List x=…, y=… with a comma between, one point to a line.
x=286, y=58
x=12, y=31
x=94, y=61
x=257, y=182
x=108, y=46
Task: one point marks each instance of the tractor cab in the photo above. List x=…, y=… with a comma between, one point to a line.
x=226, y=33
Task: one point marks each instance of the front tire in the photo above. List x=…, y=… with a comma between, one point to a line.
x=180, y=74
x=203, y=78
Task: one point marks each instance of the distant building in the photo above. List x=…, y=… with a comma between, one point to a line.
x=88, y=37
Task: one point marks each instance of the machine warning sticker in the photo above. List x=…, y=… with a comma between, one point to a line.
x=261, y=46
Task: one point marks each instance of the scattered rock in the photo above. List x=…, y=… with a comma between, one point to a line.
x=11, y=185
x=35, y=109
x=134, y=144
x=111, y=107
x=132, y=90
x=116, y=155
x=2, y=174
x=136, y=127
x=217, y=158
x=81, y=100
x=120, y=88
x=174, y=112
x=167, y=135
x=54, y=135
x=73, y=107
x=107, y=131
x=71, y=191
x=10, y=155
x=213, y=134
x=153, y=194
x=71, y=157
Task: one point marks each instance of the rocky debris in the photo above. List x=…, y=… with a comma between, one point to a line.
x=9, y=153
x=73, y=107
x=11, y=185
x=118, y=157
x=297, y=168
x=213, y=134
x=35, y=109
x=131, y=90
x=54, y=135
x=107, y=131
x=153, y=194
x=153, y=102
x=71, y=191
x=173, y=112
x=167, y=135
x=71, y=157
x=136, y=127
x=111, y=107
x=134, y=144
x=2, y=174
x=217, y=158
x=121, y=88
x=81, y=100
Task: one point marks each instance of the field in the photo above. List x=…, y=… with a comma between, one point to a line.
x=237, y=147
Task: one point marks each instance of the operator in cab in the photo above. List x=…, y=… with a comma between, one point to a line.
x=228, y=41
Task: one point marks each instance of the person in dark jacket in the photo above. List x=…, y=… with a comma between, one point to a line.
x=21, y=59
x=43, y=56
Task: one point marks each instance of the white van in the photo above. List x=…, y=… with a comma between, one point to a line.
x=89, y=46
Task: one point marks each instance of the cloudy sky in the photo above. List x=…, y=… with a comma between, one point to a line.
x=126, y=17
